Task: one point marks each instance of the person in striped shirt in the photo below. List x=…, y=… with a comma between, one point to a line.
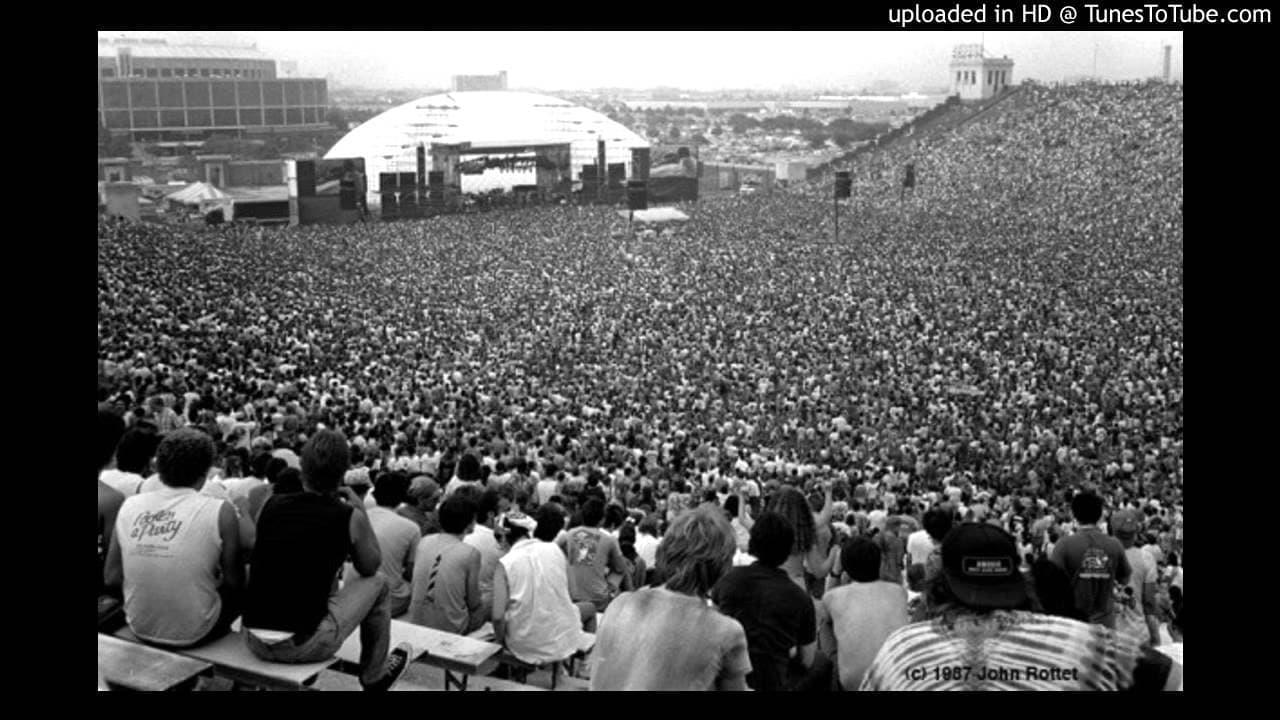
x=982, y=635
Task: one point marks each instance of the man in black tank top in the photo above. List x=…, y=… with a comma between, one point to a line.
x=294, y=612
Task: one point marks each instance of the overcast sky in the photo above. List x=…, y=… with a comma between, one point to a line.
x=700, y=60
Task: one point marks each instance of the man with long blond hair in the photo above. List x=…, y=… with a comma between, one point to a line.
x=670, y=637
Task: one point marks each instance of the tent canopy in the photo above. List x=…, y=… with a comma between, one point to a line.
x=196, y=193
x=656, y=215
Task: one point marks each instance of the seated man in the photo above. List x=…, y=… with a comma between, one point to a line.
x=776, y=614
x=176, y=551
x=294, y=612
x=397, y=539
x=132, y=462
x=861, y=614
x=420, y=505
x=446, y=573
x=669, y=638
x=110, y=428
x=532, y=613
x=593, y=554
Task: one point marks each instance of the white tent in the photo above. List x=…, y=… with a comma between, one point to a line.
x=197, y=194
x=657, y=216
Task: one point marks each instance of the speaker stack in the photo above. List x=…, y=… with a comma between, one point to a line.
x=388, y=183
x=638, y=194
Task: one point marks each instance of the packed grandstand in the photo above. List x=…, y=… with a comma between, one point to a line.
x=755, y=453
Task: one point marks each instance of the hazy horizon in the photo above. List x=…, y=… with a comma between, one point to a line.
x=693, y=60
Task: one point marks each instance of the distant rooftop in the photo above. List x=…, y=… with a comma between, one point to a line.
x=158, y=46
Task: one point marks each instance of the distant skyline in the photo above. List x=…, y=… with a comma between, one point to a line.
x=694, y=60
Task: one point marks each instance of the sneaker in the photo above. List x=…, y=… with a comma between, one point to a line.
x=397, y=662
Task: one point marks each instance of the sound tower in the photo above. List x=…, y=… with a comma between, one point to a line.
x=306, y=175
x=640, y=163
x=617, y=175
x=638, y=194
x=409, y=204
x=421, y=195
x=590, y=182
x=388, y=182
x=422, y=167
x=843, y=184
x=390, y=206
x=435, y=188
x=600, y=162
x=407, y=182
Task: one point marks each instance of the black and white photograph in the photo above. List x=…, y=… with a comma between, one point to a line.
x=640, y=360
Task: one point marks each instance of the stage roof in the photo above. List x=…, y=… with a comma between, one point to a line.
x=491, y=119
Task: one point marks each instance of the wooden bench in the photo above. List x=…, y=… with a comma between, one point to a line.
x=459, y=655
x=133, y=666
x=232, y=659
x=521, y=669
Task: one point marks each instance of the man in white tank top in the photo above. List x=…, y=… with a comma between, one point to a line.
x=176, y=551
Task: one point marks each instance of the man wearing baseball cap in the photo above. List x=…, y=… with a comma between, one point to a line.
x=981, y=635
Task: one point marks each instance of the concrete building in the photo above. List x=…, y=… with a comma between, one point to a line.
x=152, y=90
x=467, y=83
x=974, y=76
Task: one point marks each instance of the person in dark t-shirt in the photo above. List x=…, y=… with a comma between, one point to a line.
x=1093, y=560
x=294, y=612
x=775, y=613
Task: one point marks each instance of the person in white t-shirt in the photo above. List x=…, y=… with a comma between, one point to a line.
x=647, y=541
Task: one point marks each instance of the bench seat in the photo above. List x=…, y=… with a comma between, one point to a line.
x=134, y=666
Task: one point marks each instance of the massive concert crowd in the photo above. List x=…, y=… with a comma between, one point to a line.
x=757, y=454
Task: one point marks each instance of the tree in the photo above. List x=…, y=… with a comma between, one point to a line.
x=717, y=131
x=815, y=139
x=336, y=117
x=742, y=123
x=654, y=132
x=700, y=139
x=674, y=132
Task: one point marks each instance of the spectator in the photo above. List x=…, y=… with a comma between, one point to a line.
x=533, y=616
x=1137, y=612
x=110, y=428
x=446, y=573
x=807, y=555
x=1094, y=561
x=647, y=542
x=667, y=638
x=777, y=616
x=292, y=614
x=397, y=540
x=924, y=546
x=420, y=507
x=177, y=552
x=132, y=460
x=637, y=572
x=980, y=603
x=592, y=555
x=468, y=474
x=860, y=615
x=483, y=539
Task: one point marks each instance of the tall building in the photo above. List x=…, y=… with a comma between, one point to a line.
x=974, y=76
x=467, y=83
x=151, y=89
